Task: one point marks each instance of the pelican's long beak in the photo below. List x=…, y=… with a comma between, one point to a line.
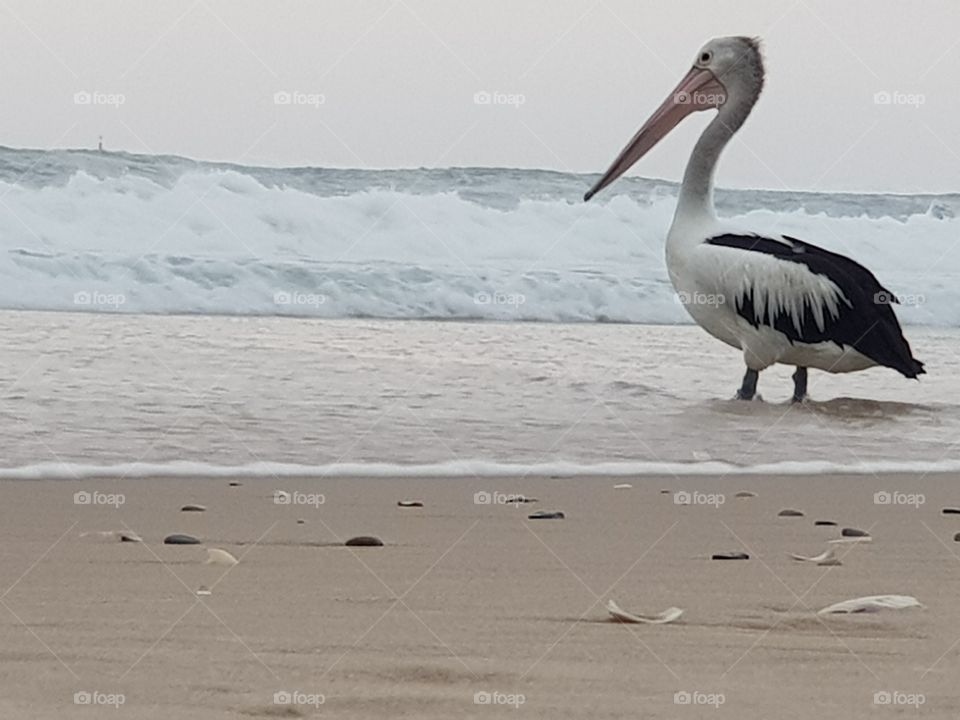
x=699, y=90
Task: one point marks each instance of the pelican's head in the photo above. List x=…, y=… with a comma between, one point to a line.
x=726, y=71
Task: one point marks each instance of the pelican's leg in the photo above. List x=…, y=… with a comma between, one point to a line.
x=749, y=387
x=800, y=385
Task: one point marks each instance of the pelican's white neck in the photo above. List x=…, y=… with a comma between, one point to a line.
x=696, y=192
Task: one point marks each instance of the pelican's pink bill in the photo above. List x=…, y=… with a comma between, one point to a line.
x=699, y=90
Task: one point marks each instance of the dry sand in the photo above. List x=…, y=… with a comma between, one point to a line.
x=471, y=598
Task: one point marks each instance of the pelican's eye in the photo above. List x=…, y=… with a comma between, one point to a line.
x=705, y=57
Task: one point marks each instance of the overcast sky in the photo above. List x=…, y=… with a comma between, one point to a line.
x=392, y=83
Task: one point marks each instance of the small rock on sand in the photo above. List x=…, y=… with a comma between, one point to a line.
x=234, y=483
x=664, y=491
x=825, y=523
x=545, y=515
x=130, y=537
x=956, y=538
x=622, y=486
x=364, y=541
x=950, y=511
x=300, y=521
x=409, y=503
x=854, y=532
x=730, y=556
x=180, y=539
x=789, y=512
x=193, y=508
x=745, y=494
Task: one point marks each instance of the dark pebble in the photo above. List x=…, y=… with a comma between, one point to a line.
x=410, y=503
x=234, y=483
x=179, y=539
x=730, y=556
x=826, y=523
x=544, y=515
x=300, y=521
x=664, y=491
x=745, y=494
x=789, y=513
x=193, y=508
x=951, y=511
x=956, y=538
x=364, y=541
x=854, y=532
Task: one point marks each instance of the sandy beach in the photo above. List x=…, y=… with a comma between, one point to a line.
x=470, y=602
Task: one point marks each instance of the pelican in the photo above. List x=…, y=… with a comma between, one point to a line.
x=774, y=297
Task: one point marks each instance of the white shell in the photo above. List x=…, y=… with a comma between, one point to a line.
x=216, y=556
x=872, y=603
x=827, y=558
x=667, y=616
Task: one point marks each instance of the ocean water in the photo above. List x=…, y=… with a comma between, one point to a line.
x=87, y=394
x=116, y=233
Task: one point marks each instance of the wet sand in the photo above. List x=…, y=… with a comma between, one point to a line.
x=470, y=598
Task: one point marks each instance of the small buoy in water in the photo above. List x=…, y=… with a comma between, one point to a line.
x=216, y=556
x=364, y=541
x=789, y=512
x=180, y=539
x=544, y=515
